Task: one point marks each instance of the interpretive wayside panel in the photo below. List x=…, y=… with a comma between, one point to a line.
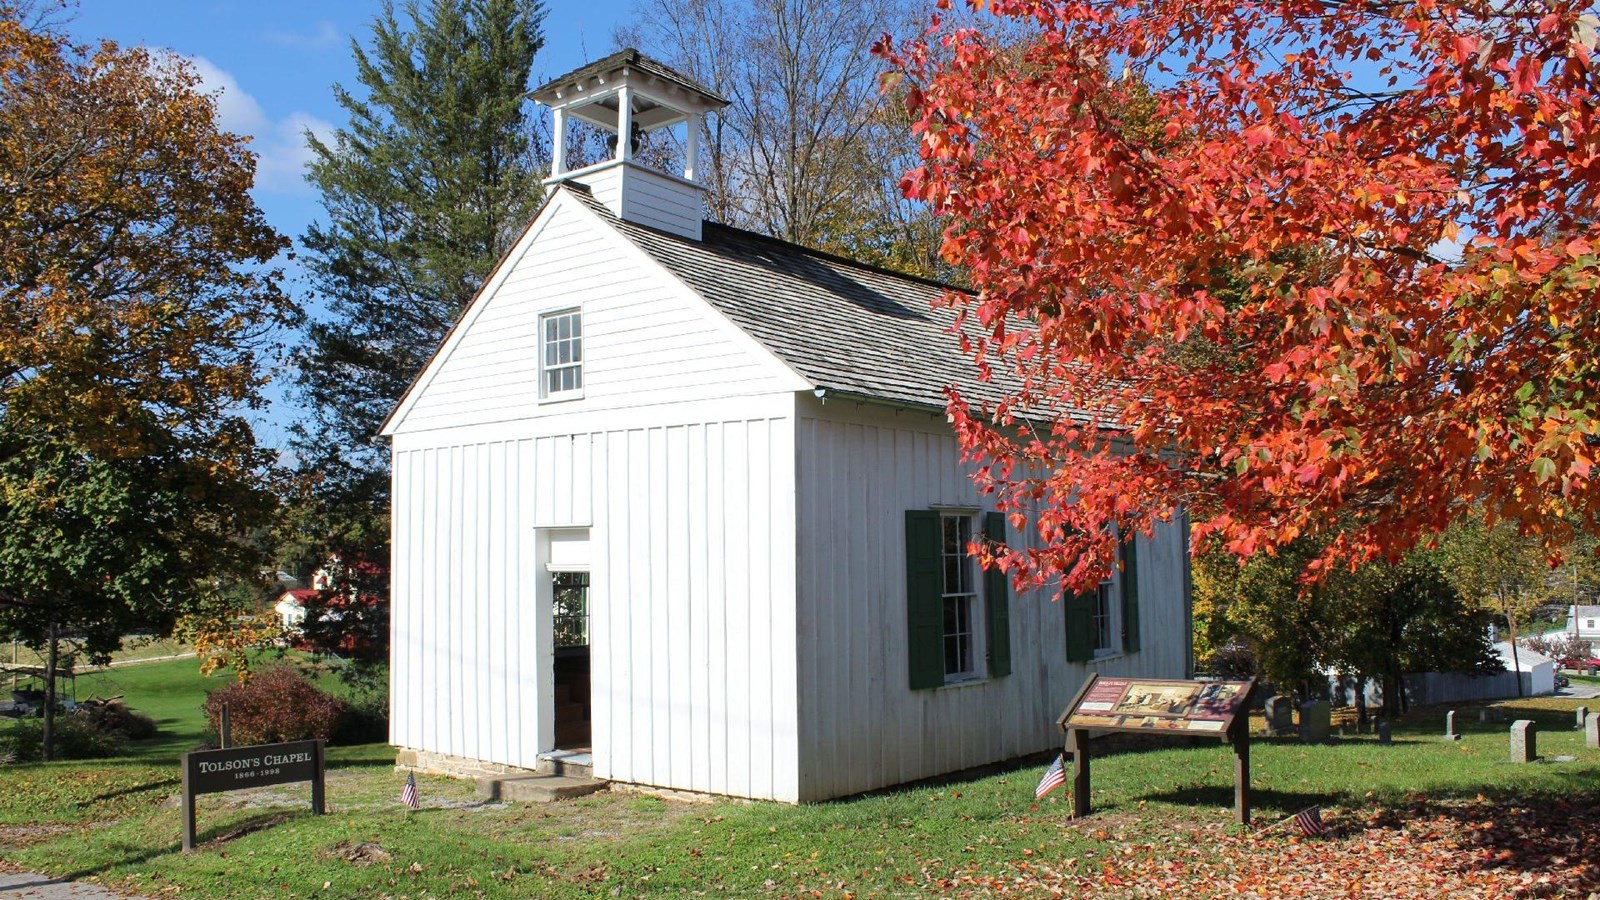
x=1217, y=709
x=1134, y=704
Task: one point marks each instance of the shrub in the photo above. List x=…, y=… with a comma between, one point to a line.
x=114, y=717
x=77, y=737
x=276, y=704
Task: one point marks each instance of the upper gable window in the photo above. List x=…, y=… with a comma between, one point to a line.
x=561, y=355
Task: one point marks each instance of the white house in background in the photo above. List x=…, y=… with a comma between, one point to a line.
x=683, y=497
x=1584, y=622
x=291, y=609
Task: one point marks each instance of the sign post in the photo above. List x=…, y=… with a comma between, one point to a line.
x=240, y=768
x=1163, y=708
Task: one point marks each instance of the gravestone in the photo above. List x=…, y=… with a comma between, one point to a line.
x=1280, y=715
x=1316, y=721
x=1524, y=741
x=1591, y=731
x=1383, y=732
x=1483, y=716
x=1583, y=715
x=1451, y=731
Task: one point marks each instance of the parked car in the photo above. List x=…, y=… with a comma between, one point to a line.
x=1581, y=663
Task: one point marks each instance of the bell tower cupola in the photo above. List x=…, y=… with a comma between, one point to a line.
x=630, y=96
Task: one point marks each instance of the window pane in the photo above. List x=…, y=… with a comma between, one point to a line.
x=577, y=349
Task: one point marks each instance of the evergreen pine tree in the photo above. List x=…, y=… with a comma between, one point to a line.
x=423, y=190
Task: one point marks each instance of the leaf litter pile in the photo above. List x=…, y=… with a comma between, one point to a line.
x=1460, y=849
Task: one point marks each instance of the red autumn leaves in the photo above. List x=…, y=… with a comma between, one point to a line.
x=1293, y=267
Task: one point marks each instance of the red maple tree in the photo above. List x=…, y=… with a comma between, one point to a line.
x=1292, y=267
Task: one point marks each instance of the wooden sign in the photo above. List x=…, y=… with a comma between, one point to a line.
x=240, y=768
x=1217, y=709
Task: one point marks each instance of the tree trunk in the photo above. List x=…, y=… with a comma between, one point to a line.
x=52, y=658
x=1511, y=630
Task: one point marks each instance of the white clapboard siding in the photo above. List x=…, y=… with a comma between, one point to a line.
x=690, y=517
x=644, y=195
x=646, y=340
x=859, y=468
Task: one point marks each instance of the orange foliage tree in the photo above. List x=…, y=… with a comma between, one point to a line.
x=1338, y=275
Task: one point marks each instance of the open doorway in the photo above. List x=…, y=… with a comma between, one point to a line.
x=569, y=595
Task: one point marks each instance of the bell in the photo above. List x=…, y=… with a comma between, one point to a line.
x=635, y=142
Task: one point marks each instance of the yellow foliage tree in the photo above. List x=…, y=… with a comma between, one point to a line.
x=137, y=296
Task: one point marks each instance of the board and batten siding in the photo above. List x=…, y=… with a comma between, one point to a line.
x=690, y=514
x=859, y=468
x=646, y=340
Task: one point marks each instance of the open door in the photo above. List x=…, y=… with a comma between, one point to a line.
x=569, y=594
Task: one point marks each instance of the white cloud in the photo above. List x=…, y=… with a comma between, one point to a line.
x=326, y=35
x=279, y=144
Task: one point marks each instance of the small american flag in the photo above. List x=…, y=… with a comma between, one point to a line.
x=1054, y=777
x=1310, y=821
x=408, y=794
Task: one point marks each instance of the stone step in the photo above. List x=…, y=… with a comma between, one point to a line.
x=566, y=762
x=544, y=788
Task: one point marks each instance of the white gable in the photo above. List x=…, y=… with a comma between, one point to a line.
x=646, y=337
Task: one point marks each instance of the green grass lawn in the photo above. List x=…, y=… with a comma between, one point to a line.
x=1164, y=813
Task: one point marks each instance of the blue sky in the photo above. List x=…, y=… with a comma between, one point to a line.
x=274, y=62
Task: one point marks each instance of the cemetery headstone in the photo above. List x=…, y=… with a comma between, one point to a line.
x=1524, y=741
x=1316, y=721
x=1591, y=731
x=1383, y=732
x=1452, y=732
x=1280, y=715
x=1583, y=716
x=1483, y=716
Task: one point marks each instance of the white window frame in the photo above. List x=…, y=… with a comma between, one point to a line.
x=1107, y=620
x=576, y=365
x=967, y=596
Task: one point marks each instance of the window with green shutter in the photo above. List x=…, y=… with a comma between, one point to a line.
x=1104, y=622
x=1079, y=610
x=1130, y=594
x=924, y=599
x=955, y=631
x=997, y=594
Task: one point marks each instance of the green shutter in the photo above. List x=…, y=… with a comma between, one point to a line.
x=997, y=598
x=1080, y=626
x=1130, y=594
x=924, y=600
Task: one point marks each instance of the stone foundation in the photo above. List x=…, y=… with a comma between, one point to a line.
x=427, y=762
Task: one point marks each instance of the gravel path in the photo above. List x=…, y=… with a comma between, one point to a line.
x=27, y=886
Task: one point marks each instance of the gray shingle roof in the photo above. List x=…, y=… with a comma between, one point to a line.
x=846, y=327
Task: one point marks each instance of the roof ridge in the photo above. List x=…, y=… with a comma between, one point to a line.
x=585, y=190
x=840, y=258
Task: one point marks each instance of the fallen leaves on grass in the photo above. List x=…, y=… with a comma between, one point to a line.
x=364, y=853
x=1472, y=849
